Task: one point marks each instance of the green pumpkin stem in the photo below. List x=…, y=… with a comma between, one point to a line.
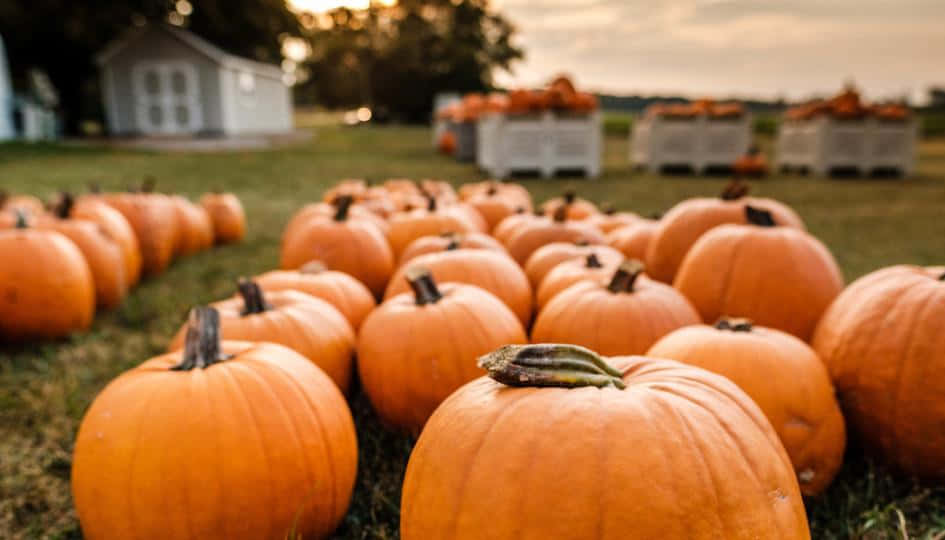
x=734, y=324
x=736, y=189
x=626, y=276
x=591, y=261
x=342, y=206
x=253, y=299
x=759, y=217
x=202, y=343
x=63, y=207
x=548, y=364
x=424, y=288
x=22, y=220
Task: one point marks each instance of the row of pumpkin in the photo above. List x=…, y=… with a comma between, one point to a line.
x=568, y=436
x=79, y=254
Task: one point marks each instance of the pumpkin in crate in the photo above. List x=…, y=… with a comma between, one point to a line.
x=633, y=240
x=226, y=214
x=787, y=380
x=91, y=208
x=353, y=246
x=492, y=271
x=347, y=294
x=683, y=224
x=448, y=242
x=406, y=227
x=883, y=344
x=307, y=325
x=588, y=447
x=780, y=277
x=534, y=234
x=47, y=289
x=417, y=348
x=595, y=266
x=575, y=207
x=547, y=257
x=626, y=315
x=220, y=440
x=154, y=220
x=194, y=228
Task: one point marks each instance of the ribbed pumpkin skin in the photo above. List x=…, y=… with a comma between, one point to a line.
x=227, y=215
x=787, y=380
x=307, y=325
x=533, y=235
x=778, y=277
x=347, y=294
x=883, y=341
x=154, y=220
x=588, y=314
x=410, y=357
x=633, y=240
x=115, y=226
x=491, y=271
x=436, y=244
x=570, y=272
x=683, y=224
x=714, y=468
x=545, y=258
x=408, y=226
x=252, y=447
x=494, y=207
x=511, y=225
x=103, y=255
x=46, y=289
x=327, y=211
x=194, y=228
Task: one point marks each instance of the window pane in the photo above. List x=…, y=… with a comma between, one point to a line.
x=182, y=114
x=156, y=115
x=152, y=83
x=178, y=83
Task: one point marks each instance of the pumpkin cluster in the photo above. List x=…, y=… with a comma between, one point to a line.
x=848, y=105
x=85, y=253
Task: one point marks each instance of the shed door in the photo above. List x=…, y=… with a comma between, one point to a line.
x=167, y=98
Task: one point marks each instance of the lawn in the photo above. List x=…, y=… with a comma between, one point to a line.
x=45, y=388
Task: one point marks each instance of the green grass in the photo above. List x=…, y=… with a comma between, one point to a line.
x=45, y=388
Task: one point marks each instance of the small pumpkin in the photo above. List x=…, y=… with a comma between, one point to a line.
x=545, y=258
x=327, y=211
x=883, y=343
x=633, y=240
x=595, y=266
x=587, y=447
x=532, y=235
x=430, y=221
x=494, y=205
x=625, y=316
x=576, y=208
x=253, y=440
x=194, y=228
x=447, y=242
x=227, y=215
x=415, y=349
x=780, y=277
x=787, y=380
x=93, y=209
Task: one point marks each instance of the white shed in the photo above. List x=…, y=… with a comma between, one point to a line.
x=162, y=80
x=6, y=97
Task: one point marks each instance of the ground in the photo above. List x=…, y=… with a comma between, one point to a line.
x=45, y=388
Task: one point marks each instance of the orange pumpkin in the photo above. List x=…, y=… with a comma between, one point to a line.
x=545, y=258
x=532, y=235
x=252, y=440
x=784, y=377
x=416, y=349
x=610, y=220
x=353, y=246
x=511, y=225
x=47, y=289
x=355, y=188
x=494, y=205
x=633, y=240
x=595, y=266
x=194, y=228
x=226, y=214
x=307, y=325
x=447, y=242
x=29, y=204
x=154, y=220
x=683, y=224
x=430, y=221
x=625, y=316
x=492, y=271
x=347, y=294
x=659, y=450
x=779, y=277
x=327, y=211
x=575, y=207
x=883, y=344
x=91, y=208
x=507, y=190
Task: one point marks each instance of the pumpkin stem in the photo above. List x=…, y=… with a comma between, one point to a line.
x=759, y=217
x=424, y=288
x=569, y=196
x=492, y=190
x=626, y=276
x=253, y=299
x=202, y=343
x=454, y=241
x=734, y=324
x=582, y=242
x=22, y=221
x=63, y=207
x=592, y=261
x=561, y=213
x=342, y=205
x=736, y=189
x=313, y=267
x=942, y=277
x=519, y=209
x=608, y=209
x=550, y=364
x=431, y=202
x=147, y=185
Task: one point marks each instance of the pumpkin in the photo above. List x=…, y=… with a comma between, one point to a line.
x=91, y=208
x=787, y=380
x=883, y=344
x=353, y=246
x=492, y=271
x=575, y=207
x=610, y=220
x=507, y=190
x=633, y=240
x=440, y=190
x=154, y=221
x=547, y=257
x=531, y=235
x=626, y=315
x=683, y=224
x=594, y=267
x=220, y=440
x=494, y=205
x=415, y=349
x=447, y=242
x=328, y=211
x=46, y=288
x=27, y=203
x=226, y=214
x=584, y=447
x=446, y=143
x=355, y=188
x=432, y=220
x=194, y=228
x=348, y=295
x=511, y=225
x=780, y=277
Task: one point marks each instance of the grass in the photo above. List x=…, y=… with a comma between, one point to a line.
x=45, y=388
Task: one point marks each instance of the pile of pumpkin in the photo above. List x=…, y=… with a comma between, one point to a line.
x=702, y=107
x=65, y=259
x=680, y=381
x=847, y=105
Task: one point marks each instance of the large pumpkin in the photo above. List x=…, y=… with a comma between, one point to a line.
x=659, y=450
x=353, y=246
x=884, y=345
x=220, y=440
x=416, y=349
x=626, y=315
x=194, y=228
x=545, y=258
x=683, y=224
x=46, y=287
x=433, y=220
x=779, y=277
x=324, y=210
x=784, y=377
x=154, y=220
x=492, y=271
x=447, y=242
x=594, y=267
x=633, y=240
x=226, y=214
x=307, y=325
x=92, y=208
x=531, y=235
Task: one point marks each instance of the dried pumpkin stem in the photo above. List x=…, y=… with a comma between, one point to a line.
x=608, y=209
x=592, y=261
x=424, y=288
x=736, y=189
x=342, y=206
x=431, y=202
x=569, y=197
x=313, y=267
x=454, y=242
x=64, y=205
x=568, y=366
x=561, y=213
x=626, y=276
x=202, y=343
x=942, y=277
x=22, y=221
x=759, y=217
x=253, y=299
x=734, y=324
